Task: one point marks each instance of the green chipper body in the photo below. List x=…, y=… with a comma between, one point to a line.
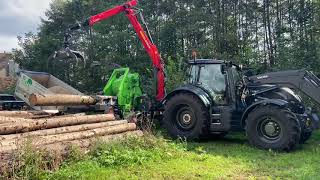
x=126, y=87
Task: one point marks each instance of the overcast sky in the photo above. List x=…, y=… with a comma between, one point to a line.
x=18, y=17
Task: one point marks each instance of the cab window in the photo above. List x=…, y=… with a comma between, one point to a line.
x=210, y=77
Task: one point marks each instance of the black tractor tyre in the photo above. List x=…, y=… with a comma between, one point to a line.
x=186, y=117
x=273, y=127
x=305, y=136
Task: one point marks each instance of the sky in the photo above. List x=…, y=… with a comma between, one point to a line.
x=18, y=17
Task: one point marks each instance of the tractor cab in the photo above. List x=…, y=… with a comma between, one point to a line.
x=217, y=77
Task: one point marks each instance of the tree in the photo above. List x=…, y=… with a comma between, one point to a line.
x=266, y=34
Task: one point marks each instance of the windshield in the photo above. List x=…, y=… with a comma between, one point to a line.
x=209, y=76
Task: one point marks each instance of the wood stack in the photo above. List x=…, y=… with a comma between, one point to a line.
x=20, y=128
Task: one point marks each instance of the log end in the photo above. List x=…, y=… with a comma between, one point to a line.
x=33, y=99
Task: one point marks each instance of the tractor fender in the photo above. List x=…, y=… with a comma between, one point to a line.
x=197, y=91
x=276, y=102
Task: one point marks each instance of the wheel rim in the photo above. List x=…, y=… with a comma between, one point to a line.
x=269, y=129
x=185, y=118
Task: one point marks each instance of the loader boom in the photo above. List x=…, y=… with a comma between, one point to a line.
x=301, y=80
x=151, y=48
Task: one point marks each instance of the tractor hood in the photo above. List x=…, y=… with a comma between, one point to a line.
x=283, y=92
x=267, y=91
x=299, y=80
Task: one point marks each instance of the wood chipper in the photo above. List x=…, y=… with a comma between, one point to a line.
x=126, y=87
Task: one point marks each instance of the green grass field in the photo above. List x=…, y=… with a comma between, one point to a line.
x=229, y=158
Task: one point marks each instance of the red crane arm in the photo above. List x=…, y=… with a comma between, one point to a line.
x=151, y=49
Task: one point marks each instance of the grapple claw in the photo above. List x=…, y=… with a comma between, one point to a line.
x=67, y=56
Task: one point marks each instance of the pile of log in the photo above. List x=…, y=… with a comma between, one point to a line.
x=43, y=131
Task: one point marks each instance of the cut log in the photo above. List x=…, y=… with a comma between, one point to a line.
x=60, y=130
x=61, y=100
x=53, y=123
x=4, y=120
x=20, y=114
x=85, y=144
x=7, y=159
x=9, y=120
x=51, y=139
x=14, y=113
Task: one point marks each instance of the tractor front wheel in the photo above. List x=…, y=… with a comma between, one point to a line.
x=272, y=127
x=186, y=117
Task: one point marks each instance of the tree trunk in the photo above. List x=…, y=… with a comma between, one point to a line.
x=51, y=139
x=60, y=100
x=61, y=130
x=53, y=123
x=271, y=48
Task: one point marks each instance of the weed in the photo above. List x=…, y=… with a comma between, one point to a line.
x=28, y=164
x=31, y=163
x=228, y=158
x=134, y=151
x=74, y=154
x=153, y=157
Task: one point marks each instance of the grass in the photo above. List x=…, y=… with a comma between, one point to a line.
x=156, y=158
x=230, y=158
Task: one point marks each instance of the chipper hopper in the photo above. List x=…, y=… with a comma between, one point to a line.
x=42, y=84
x=45, y=92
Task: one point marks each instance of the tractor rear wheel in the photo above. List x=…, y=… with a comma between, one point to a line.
x=185, y=116
x=273, y=127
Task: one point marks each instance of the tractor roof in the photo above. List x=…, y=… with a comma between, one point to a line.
x=206, y=61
